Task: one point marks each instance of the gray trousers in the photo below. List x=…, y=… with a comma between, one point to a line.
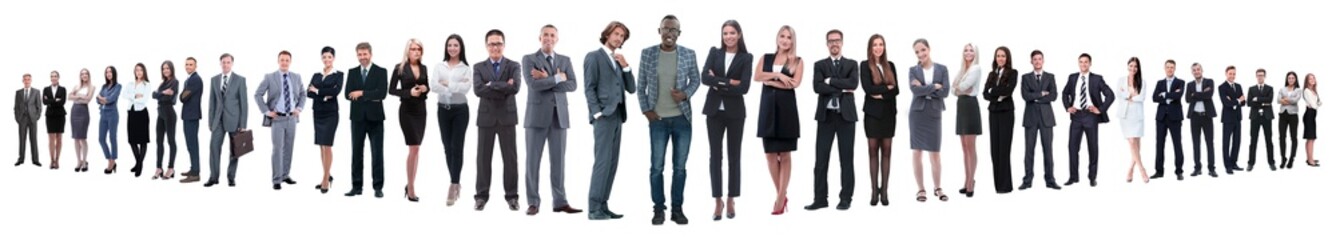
x=216, y=151
x=607, y=152
x=534, y=139
x=28, y=139
x=282, y=131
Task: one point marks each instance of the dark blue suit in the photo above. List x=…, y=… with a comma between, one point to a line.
x=1231, y=118
x=1168, y=121
x=1200, y=123
x=190, y=116
x=1085, y=122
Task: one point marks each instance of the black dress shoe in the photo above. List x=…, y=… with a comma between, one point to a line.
x=289, y=181
x=844, y=205
x=1157, y=176
x=354, y=192
x=1250, y=167
x=1212, y=174
x=1070, y=182
x=20, y=163
x=210, y=183
x=514, y=204
x=533, y=210
x=479, y=204
x=679, y=218
x=379, y=194
x=1092, y=183
x=567, y=209
x=816, y=206
x=1196, y=173
x=658, y=218
x=612, y=215
x=1053, y=186
x=278, y=186
x=1024, y=186
x=1180, y=177
x=231, y=183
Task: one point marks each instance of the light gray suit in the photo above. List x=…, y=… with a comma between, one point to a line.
x=27, y=110
x=605, y=82
x=546, y=121
x=269, y=98
x=227, y=115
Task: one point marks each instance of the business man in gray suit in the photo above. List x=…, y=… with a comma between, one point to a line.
x=549, y=76
x=668, y=78
x=227, y=116
x=1039, y=89
x=281, y=98
x=27, y=110
x=607, y=74
x=496, y=81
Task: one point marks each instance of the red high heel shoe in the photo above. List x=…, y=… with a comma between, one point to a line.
x=782, y=210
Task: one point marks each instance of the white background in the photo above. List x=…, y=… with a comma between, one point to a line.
x=68, y=35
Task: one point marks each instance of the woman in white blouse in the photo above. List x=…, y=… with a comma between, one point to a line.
x=1133, y=114
x=1310, y=116
x=139, y=94
x=452, y=79
x=968, y=123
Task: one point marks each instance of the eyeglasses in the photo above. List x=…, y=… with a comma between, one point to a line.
x=670, y=31
x=495, y=44
x=837, y=40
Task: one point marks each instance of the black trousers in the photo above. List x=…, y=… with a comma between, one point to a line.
x=718, y=127
x=487, y=138
x=1233, y=137
x=1202, y=125
x=1289, y=123
x=1085, y=125
x=1173, y=129
x=166, y=133
x=1265, y=127
x=454, y=122
x=376, y=131
x=1001, y=126
x=826, y=131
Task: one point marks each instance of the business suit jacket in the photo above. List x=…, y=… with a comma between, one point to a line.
x=55, y=99
x=844, y=77
x=374, y=89
x=1201, y=97
x=721, y=92
x=27, y=110
x=1038, y=107
x=325, y=99
x=547, y=93
x=878, y=108
x=1230, y=107
x=496, y=98
x=1134, y=110
x=1098, y=93
x=270, y=94
x=1167, y=93
x=190, y=109
x=604, y=82
x=998, y=90
x=932, y=100
x=1259, y=99
x=688, y=78
x=227, y=110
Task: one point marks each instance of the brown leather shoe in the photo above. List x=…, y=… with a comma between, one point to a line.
x=566, y=209
x=533, y=210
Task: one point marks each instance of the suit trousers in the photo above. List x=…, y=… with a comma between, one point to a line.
x=1202, y=125
x=607, y=153
x=166, y=132
x=375, y=130
x=487, y=138
x=1001, y=126
x=283, y=131
x=28, y=139
x=1265, y=127
x=826, y=131
x=534, y=139
x=1045, y=134
x=718, y=127
x=1084, y=124
x=216, y=152
x=192, y=144
x=1233, y=131
x=1173, y=129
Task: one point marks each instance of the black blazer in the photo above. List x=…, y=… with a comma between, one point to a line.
x=166, y=102
x=1202, y=97
x=879, y=108
x=1230, y=107
x=326, y=98
x=843, y=78
x=1170, y=108
x=401, y=85
x=54, y=99
x=998, y=90
x=1038, y=107
x=1101, y=96
x=720, y=91
x=496, y=97
x=1259, y=98
x=190, y=109
x=368, y=107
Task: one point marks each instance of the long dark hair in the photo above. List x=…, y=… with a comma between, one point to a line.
x=1136, y=79
x=459, y=39
x=110, y=79
x=742, y=43
x=1296, y=79
x=1005, y=51
x=139, y=67
x=171, y=68
x=879, y=77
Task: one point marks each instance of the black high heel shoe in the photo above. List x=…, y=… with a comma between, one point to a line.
x=884, y=200
x=410, y=199
x=321, y=186
x=111, y=170
x=876, y=196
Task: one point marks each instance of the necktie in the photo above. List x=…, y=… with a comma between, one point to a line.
x=287, y=95
x=496, y=69
x=364, y=71
x=550, y=65
x=224, y=83
x=1083, y=92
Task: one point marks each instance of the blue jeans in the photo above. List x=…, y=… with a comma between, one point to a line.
x=106, y=133
x=677, y=129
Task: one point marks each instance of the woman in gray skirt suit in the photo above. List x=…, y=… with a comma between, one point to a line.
x=82, y=94
x=968, y=123
x=929, y=83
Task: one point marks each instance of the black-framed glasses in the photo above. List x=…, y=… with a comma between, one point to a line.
x=670, y=31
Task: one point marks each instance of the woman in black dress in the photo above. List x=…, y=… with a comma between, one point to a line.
x=324, y=93
x=777, y=123
x=878, y=76
x=54, y=98
x=409, y=83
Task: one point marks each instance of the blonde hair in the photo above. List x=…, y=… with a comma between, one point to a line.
x=408, y=48
x=965, y=67
x=792, y=56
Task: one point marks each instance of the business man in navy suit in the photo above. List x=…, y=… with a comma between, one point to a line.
x=190, y=116
x=1086, y=98
x=1168, y=119
x=1200, y=113
x=1231, y=119
x=1260, y=97
x=1039, y=90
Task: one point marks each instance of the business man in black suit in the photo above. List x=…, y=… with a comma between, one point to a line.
x=1259, y=99
x=1086, y=98
x=496, y=81
x=191, y=97
x=1168, y=119
x=1231, y=117
x=835, y=80
x=1039, y=90
x=366, y=88
x=1200, y=113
